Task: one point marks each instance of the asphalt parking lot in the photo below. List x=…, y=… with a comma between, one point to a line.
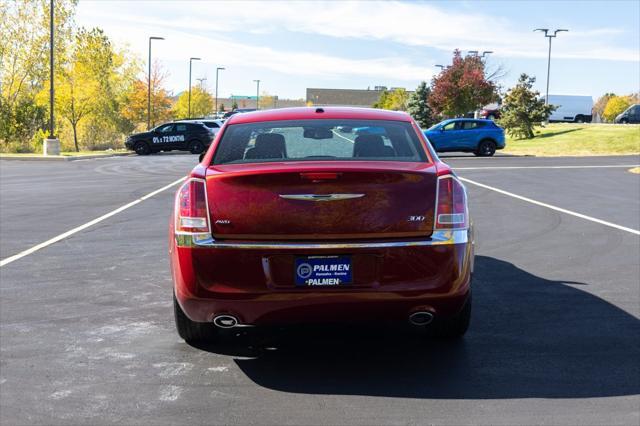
x=87, y=334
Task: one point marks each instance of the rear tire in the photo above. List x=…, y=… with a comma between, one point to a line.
x=491, y=117
x=486, y=148
x=191, y=331
x=579, y=119
x=624, y=121
x=142, y=148
x=455, y=327
x=196, y=147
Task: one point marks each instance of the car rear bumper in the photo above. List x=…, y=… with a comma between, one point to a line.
x=253, y=281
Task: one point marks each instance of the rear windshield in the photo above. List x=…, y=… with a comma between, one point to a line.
x=314, y=140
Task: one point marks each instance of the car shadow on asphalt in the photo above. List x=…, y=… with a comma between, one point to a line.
x=529, y=338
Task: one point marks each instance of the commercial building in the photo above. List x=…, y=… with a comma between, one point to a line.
x=345, y=97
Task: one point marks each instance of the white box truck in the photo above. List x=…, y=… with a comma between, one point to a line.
x=575, y=109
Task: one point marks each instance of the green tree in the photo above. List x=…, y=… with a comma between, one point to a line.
x=266, y=101
x=395, y=100
x=234, y=105
x=601, y=103
x=202, y=103
x=418, y=106
x=461, y=88
x=382, y=100
x=615, y=106
x=19, y=123
x=85, y=86
x=134, y=105
x=221, y=108
x=24, y=64
x=522, y=108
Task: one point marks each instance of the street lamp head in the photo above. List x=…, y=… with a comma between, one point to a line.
x=156, y=38
x=545, y=30
x=558, y=31
x=486, y=52
x=473, y=52
x=220, y=68
x=194, y=59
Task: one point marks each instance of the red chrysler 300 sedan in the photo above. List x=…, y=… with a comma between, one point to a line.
x=321, y=215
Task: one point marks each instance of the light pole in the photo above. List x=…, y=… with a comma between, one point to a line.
x=189, y=107
x=51, y=89
x=51, y=145
x=486, y=53
x=549, y=36
x=257, y=94
x=217, y=69
x=149, y=84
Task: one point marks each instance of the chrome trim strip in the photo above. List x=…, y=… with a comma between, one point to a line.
x=320, y=197
x=440, y=237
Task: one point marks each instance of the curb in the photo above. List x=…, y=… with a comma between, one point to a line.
x=65, y=157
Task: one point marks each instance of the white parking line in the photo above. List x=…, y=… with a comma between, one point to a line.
x=340, y=136
x=546, y=167
x=70, y=232
x=549, y=206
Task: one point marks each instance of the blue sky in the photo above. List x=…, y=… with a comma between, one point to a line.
x=293, y=45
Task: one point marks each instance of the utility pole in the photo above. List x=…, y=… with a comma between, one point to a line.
x=217, y=69
x=149, y=84
x=51, y=144
x=257, y=94
x=189, y=107
x=549, y=36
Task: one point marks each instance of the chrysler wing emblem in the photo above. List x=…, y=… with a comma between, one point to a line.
x=320, y=197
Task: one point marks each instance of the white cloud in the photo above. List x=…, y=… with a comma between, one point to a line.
x=413, y=24
x=180, y=43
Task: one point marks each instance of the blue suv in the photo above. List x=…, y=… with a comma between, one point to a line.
x=482, y=137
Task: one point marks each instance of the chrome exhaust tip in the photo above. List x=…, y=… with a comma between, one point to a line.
x=421, y=318
x=225, y=321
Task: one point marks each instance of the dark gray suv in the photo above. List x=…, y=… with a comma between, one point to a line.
x=193, y=137
x=630, y=115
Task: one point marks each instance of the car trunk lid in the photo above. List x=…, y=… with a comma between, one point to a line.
x=316, y=200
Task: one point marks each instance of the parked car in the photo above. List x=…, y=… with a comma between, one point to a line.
x=285, y=223
x=237, y=111
x=369, y=130
x=490, y=114
x=181, y=136
x=575, y=109
x=630, y=115
x=482, y=137
x=213, y=124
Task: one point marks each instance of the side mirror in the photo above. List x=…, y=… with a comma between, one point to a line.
x=441, y=129
x=201, y=156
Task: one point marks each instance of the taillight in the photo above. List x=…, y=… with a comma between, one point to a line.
x=451, y=206
x=192, y=213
